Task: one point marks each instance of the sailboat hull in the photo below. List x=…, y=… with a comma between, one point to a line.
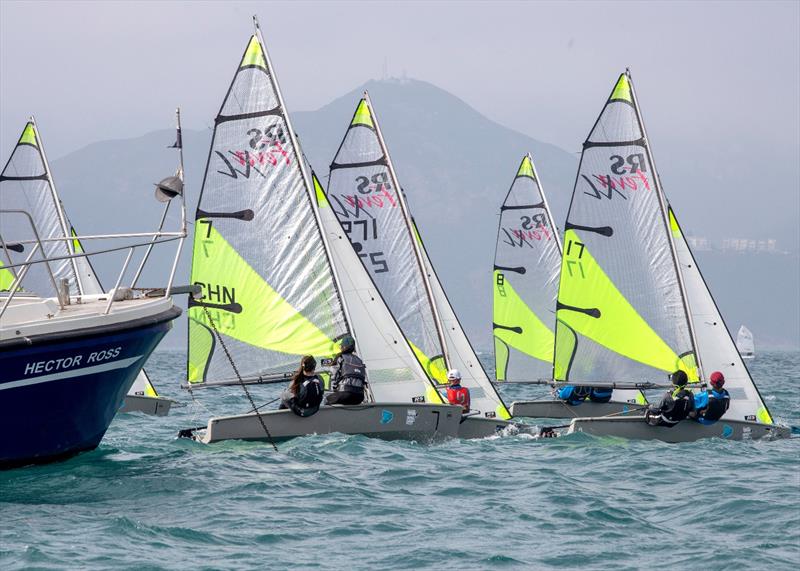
x=156, y=406
x=419, y=422
x=480, y=427
x=552, y=408
x=686, y=431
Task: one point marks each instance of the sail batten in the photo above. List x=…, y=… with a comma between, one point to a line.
x=525, y=280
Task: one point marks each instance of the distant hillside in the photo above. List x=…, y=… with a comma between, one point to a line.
x=455, y=166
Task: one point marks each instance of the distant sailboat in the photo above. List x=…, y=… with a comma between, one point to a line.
x=632, y=304
x=745, y=344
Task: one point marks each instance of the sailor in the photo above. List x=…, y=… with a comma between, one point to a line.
x=600, y=394
x=456, y=394
x=675, y=406
x=711, y=405
x=573, y=395
x=349, y=377
x=304, y=394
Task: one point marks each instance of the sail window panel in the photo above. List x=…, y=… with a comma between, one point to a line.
x=618, y=122
x=251, y=92
x=360, y=145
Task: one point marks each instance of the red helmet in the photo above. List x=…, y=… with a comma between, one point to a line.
x=717, y=379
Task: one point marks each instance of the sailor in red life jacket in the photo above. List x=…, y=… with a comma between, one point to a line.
x=456, y=394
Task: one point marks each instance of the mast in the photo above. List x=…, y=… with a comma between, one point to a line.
x=409, y=225
x=59, y=208
x=306, y=178
x=665, y=218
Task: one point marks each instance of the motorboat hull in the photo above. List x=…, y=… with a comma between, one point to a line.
x=686, y=431
x=387, y=421
x=59, y=392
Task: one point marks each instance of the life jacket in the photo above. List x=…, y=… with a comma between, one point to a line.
x=351, y=374
x=682, y=405
x=456, y=394
x=308, y=398
x=600, y=394
x=718, y=403
x=574, y=395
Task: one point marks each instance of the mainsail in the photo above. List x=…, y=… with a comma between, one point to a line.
x=621, y=310
x=26, y=184
x=714, y=342
x=259, y=256
x=527, y=262
x=745, y=344
x=395, y=374
x=364, y=196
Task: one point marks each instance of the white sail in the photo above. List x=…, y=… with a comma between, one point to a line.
x=26, y=185
x=714, y=343
x=484, y=398
x=745, y=343
x=259, y=256
x=365, y=196
x=621, y=311
x=394, y=373
x=527, y=263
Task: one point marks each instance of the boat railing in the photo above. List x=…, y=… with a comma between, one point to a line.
x=20, y=269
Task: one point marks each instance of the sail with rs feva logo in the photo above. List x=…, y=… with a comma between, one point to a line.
x=527, y=262
x=278, y=276
x=258, y=257
x=632, y=304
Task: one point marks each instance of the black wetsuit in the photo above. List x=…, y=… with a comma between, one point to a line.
x=673, y=408
x=308, y=398
x=348, y=381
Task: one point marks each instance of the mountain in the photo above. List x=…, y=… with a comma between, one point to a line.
x=455, y=166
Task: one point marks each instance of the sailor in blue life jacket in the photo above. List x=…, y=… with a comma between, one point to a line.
x=304, y=394
x=456, y=394
x=711, y=405
x=349, y=379
x=675, y=406
x=573, y=395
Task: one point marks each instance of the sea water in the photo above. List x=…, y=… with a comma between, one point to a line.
x=147, y=500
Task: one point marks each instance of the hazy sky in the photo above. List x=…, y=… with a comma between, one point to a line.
x=719, y=82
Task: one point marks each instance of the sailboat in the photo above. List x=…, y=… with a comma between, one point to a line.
x=366, y=197
x=525, y=278
x=745, y=344
x=632, y=304
x=67, y=355
x=276, y=283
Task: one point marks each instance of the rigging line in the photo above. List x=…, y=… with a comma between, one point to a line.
x=238, y=376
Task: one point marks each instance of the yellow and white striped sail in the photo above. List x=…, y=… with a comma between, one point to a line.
x=527, y=262
x=258, y=255
x=621, y=315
